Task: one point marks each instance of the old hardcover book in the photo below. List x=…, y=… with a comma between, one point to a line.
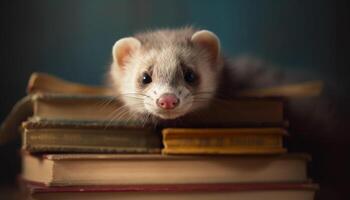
x=223, y=140
x=53, y=98
x=89, y=136
x=76, y=107
x=238, y=112
x=124, y=169
x=244, y=111
x=280, y=191
x=58, y=98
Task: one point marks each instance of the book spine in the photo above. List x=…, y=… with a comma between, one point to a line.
x=231, y=150
x=84, y=149
x=226, y=141
x=107, y=141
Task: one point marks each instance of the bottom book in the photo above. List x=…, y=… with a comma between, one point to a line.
x=140, y=169
x=271, y=191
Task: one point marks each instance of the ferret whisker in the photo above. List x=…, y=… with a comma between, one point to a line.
x=121, y=111
x=113, y=112
x=135, y=93
x=131, y=97
x=142, y=119
x=118, y=111
x=140, y=96
x=187, y=95
x=116, y=117
x=130, y=118
x=132, y=94
x=104, y=103
x=136, y=116
x=145, y=119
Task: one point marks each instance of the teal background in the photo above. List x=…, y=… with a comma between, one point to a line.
x=73, y=39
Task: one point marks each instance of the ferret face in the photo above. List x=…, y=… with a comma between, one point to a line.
x=162, y=75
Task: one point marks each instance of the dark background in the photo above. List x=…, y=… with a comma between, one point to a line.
x=73, y=40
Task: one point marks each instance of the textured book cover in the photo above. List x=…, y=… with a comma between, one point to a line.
x=240, y=110
x=280, y=191
x=35, y=187
x=89, y=136
x=223, y=141
x=46, y=84
x=124, y=169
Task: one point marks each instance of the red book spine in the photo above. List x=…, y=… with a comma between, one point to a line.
x=39, y=188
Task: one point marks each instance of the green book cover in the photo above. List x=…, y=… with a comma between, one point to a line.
x=39, y=135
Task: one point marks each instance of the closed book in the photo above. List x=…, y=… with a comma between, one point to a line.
x=124, y=169
x=88, y=137
x=237, y=112
x=240, y=110
x=223, y=140
x=77, y=107
x=280, y=191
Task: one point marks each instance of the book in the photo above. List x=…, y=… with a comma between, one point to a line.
x=239, y=110
x=76, y=107
x=223, y=141
x=280, y=191
x=126, y=169
x=89, y=137
x=99, y=97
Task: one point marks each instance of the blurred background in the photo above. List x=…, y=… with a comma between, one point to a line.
x=73, y=40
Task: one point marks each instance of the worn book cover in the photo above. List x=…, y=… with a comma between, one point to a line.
x=223, y=140
x=238, y=112
x=89, y=136
x=219, y=191
x=242, y=110
x=125, y=169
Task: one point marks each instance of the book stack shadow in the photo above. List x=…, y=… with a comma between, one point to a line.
x=83, y=146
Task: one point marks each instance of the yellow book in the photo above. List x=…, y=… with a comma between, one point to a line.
x=223, y=141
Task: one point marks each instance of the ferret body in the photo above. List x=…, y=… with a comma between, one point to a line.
x=168, y=73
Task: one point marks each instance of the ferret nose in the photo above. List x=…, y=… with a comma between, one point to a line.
x=168, y=101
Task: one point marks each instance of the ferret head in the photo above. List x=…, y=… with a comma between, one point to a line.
x=166, y=73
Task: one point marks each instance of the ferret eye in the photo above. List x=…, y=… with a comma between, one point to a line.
x=190, y=76
x=146, y=78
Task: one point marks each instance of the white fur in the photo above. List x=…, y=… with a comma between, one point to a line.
x=165, y=62
x=209, y=38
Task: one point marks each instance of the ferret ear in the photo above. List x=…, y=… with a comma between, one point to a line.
x=123, y=49
x=208, y=40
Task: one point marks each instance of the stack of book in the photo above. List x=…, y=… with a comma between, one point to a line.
x=73, y=147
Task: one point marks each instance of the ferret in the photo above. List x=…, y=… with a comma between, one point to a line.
x=168, y=73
